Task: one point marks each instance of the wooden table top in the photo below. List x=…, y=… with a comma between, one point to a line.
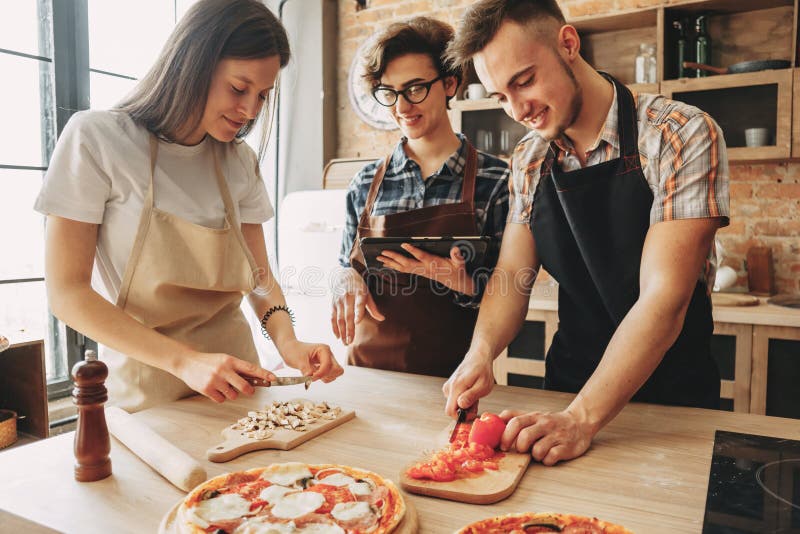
x=646, y=470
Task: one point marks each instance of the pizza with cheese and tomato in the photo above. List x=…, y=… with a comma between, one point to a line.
x=530, y=523
x=471, y=453
x=293, y=498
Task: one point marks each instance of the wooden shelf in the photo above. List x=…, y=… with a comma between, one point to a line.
x=484, y=104
x=689, y=89
x=475, y=105
x=759, y=33
x=796, y=115
x=626, y=20
x=649, y=88
x=726, y=6
x=741, y=30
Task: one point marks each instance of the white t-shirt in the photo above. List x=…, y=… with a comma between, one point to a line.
x=100, y=171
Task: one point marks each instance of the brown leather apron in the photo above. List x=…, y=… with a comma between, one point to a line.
x=185, y=281
x=425, y=331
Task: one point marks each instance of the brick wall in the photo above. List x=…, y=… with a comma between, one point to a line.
x=765, y=198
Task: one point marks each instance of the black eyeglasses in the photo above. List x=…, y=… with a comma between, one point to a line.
x=414, y=94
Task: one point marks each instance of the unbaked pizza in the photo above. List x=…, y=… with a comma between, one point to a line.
x=293, y=498
x=530, y=523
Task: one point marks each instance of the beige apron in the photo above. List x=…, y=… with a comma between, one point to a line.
x=185, y=281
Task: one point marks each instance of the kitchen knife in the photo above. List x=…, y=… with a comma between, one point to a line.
x=279, y=381
x=462, y=416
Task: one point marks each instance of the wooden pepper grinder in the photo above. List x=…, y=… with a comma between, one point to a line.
x=92, y=442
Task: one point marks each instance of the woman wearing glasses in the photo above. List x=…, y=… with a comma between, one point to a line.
x=434, y=183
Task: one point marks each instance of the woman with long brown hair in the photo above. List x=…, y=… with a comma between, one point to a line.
x=161, y=196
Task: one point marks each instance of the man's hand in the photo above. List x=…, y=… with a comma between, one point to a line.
x=351, y=298
x=549, y=437
x=472, y=379
x=449, y=271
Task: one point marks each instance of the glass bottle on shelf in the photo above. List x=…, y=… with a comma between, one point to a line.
x=680, y=45
x=702, y=45
x=505, y=144
x=646, y=64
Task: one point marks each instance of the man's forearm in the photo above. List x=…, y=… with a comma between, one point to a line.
x=633, y=353
x=503, y=310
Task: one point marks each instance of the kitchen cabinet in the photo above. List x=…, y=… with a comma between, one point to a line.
x=776, y=371
x=741, y=101
x=23, y=386
x=740, y=30
x=757, y=349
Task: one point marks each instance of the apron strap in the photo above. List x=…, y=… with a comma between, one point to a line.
x=377, y=180
x=144, y=225
x=468, y=180
x=148, y=197
x=230, y=213
x=222, y=183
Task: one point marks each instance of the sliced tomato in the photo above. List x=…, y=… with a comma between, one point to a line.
x=419, y=471
x=442, y=472
x=487, y=430
x=479, y=451
x=473, y=466
x=488, y=464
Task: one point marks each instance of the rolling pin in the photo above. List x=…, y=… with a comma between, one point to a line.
x=165, y=458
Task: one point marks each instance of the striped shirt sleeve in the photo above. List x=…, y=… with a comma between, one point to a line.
x=693, y=170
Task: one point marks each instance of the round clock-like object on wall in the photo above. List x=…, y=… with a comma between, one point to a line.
x=362, y=101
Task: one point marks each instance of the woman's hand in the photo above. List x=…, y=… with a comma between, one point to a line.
x=219, y=376
x=312, y=359
x=351, y=300
x=449, y=271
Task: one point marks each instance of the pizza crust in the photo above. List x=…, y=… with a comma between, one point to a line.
x=506, y=523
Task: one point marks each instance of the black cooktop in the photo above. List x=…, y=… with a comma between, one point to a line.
x=754, y=485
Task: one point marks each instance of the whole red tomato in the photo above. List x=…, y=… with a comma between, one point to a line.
x=487, y=430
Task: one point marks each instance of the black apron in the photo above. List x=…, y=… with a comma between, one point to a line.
x=589, y=226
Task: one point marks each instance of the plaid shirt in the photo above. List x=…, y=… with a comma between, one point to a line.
x=682, y=153
x=403, y=189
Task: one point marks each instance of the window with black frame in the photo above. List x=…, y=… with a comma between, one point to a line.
x=58, y=57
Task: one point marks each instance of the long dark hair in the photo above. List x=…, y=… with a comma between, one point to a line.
x=171, y=97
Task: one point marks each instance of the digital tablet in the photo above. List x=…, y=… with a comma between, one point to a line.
x=473, y=248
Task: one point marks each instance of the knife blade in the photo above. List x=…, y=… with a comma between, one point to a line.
x=279, y=381
x=462, y=416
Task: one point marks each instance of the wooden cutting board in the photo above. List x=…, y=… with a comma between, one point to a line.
x=236, y=444
x=731, y=299
x=409, y=524
x=486, y=488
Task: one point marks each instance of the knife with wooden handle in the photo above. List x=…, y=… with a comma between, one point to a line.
x=165, y=458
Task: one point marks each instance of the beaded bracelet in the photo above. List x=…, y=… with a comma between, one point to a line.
x=269, y=313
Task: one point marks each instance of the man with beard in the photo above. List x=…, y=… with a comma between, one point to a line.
x=619, y=198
